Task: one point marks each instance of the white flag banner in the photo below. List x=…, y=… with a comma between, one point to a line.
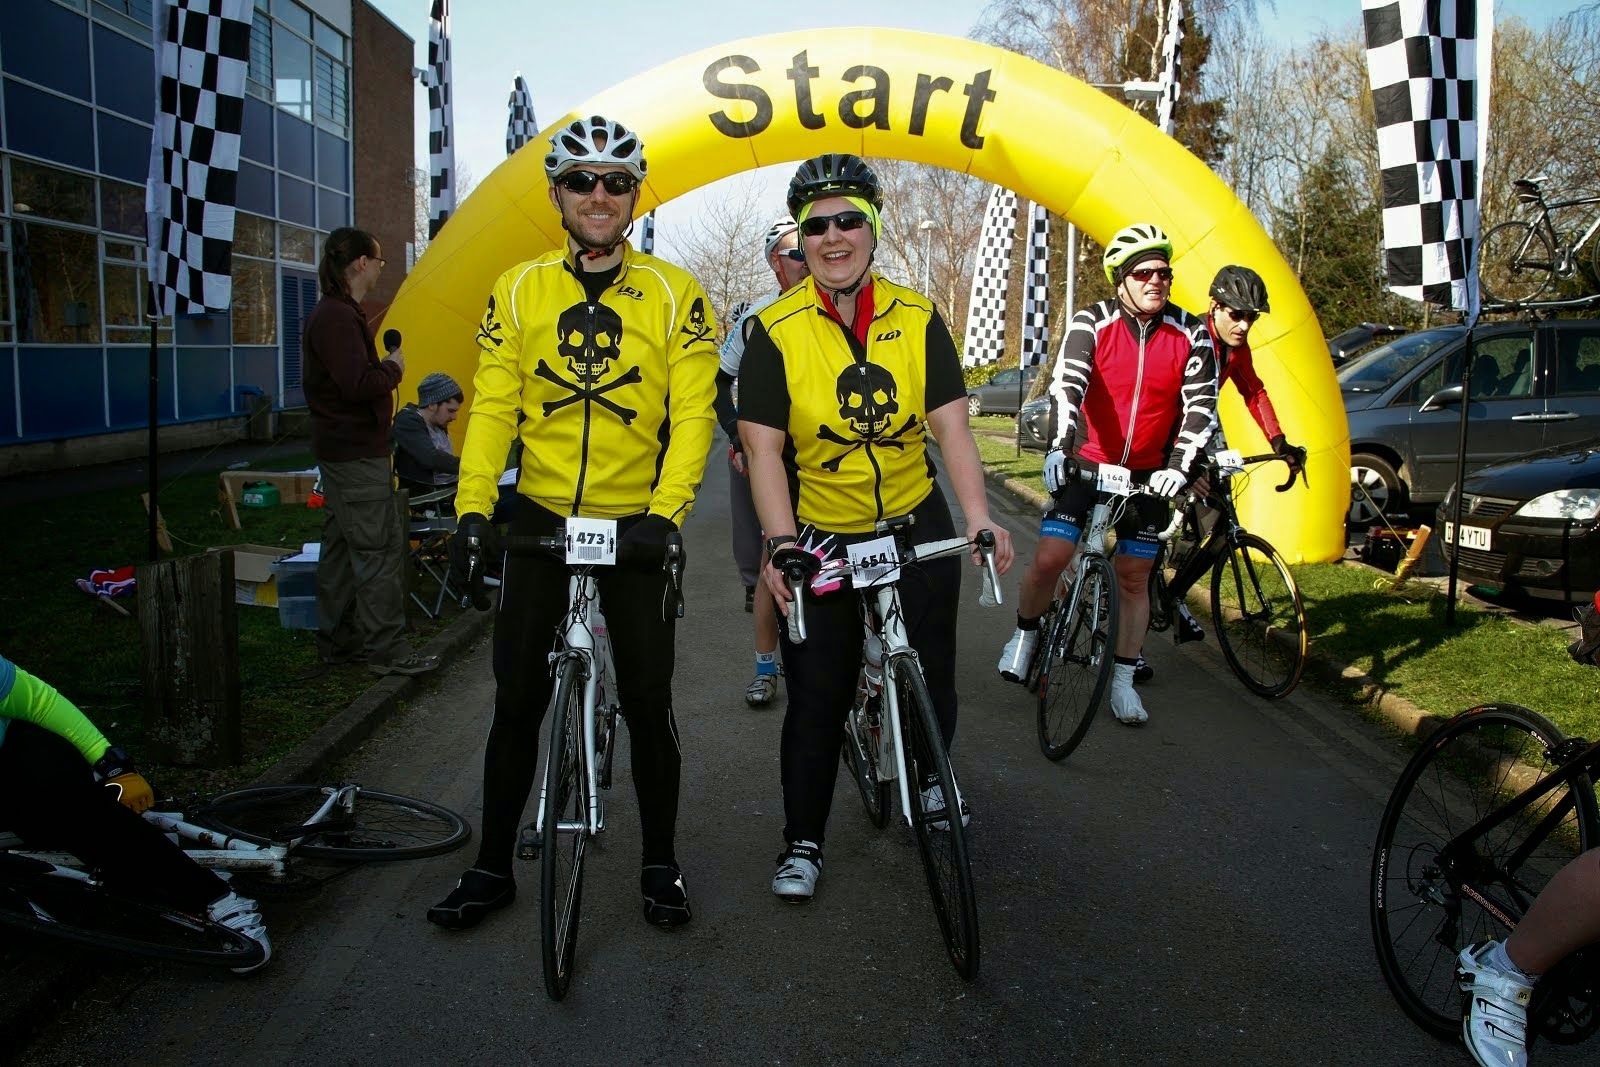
x=521, y=126
x=1171, y=69
x=441, y=120
x=986, y=308
x=1428, y=62
x=202, y=53
x=1036, y=297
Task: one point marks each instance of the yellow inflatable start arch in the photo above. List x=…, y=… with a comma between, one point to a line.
x=945, y=101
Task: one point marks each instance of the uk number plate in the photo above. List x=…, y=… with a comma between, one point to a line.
x=1471, y=536
x=592, y=541
x=875, y=562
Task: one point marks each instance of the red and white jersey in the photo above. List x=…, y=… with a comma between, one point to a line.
x=1236, y=365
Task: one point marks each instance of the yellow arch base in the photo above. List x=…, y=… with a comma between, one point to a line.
x=945, y=101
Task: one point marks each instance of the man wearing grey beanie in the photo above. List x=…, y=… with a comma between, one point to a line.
x=423, y=457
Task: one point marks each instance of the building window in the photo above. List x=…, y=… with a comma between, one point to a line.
x=333, y=94
x=48, y=193
x=255, y=302
x=297, y=245
x=57, y=275
x=292, y=14
x=259, y=79
x=121, y=208
x=5, y=282
x=291, y=60
x=252, y=236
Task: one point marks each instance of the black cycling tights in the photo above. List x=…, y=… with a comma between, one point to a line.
x=533, y=604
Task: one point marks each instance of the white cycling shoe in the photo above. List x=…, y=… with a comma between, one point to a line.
x=240, y=914
x=1017, y=656
x=1495, y=1024
x=1125, y=703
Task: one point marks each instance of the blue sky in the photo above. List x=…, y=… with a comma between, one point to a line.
x=571, y=51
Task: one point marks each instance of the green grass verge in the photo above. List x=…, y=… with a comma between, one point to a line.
x=997, y=447
x=91, y=653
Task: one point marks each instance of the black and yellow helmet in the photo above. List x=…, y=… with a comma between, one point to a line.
x=1132, y=243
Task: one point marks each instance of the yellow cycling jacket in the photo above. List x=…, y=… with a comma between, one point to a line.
x=856, y=415
x=617, y=394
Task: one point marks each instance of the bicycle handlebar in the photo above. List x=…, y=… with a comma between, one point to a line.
x=673, y=562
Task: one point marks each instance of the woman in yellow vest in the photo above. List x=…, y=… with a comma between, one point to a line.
x=843, y=379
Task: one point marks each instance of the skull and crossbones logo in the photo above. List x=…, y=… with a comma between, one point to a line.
x=588, y=337
x=868, y=401
x=489, y=329
x=697, y=327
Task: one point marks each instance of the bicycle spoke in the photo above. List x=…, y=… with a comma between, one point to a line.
x=1259, y=617
x=564, y=832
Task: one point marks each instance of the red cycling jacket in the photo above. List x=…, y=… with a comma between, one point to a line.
x=1134, y=381
x=1238, y=367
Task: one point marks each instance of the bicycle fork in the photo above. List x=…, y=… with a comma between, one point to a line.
x=897, y=647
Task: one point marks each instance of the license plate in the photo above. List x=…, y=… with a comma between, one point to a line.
x=1471, y=536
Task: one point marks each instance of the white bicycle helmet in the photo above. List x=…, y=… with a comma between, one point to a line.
x=779, y=229
x=576, y=143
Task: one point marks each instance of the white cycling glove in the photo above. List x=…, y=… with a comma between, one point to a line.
x=1055, y=470
x=1168, y=482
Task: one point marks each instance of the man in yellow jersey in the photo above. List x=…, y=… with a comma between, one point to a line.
x=609, y=356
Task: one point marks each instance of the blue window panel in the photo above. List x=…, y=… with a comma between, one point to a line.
x=57, y=49
x=128, y=377
x=294, y=146
x=62, y=391
x=8, y=395
x=205, y=389
x=255, y=137
x=194, y=330
x=333, y=154
x=297, y=297
x=124, y=149
x=333, y=210
x=122, y=75
x=296, y=202
x=48, y=126
x=255, y=191
x=254, y=367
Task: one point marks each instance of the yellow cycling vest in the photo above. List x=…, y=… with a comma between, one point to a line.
x=617, y=394
x=857, y=422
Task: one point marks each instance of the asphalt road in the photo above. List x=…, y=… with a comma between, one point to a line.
x=1190, y=892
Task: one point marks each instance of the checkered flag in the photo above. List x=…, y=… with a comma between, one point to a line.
x=521, y=126
x=1036, y=298
x=202, y=51
x=986, y=310
x=647, y=234
x=1428, y=61
x=441, y=120
x=1171, y=68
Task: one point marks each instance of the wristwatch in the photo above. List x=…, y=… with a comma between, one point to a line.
x=777, y=542
x=113, y=763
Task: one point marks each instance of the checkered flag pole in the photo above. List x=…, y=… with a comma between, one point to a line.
x=1171, y=69
x=441, y=120
x=521, y=126
x=647, y=234
x=986, y=309
x=202, y=52
x=1428, y=61
x=1036, y=299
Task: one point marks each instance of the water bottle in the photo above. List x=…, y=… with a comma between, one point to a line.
x=873, y=664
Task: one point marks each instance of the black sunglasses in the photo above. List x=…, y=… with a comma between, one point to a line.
x=1144, y=274
x=582, y=182
x=793, y=253
x=817, y=225
x=1242, y=316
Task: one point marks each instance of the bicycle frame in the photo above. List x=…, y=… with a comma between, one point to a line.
x=584, y=639
x=1546, y=210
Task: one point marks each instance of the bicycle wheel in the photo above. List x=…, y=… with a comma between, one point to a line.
x=1515, y=263
x=565, y=801
x=1421, y=916
x=379, y=826
x=1259, y=617
x=863, y=741
x=1078, y=659
x=33, y=897
x=941, y=839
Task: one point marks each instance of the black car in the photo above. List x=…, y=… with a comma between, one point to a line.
x=1531, y=525
x=1357, y=339
x=1033, y=429
x=1002, y=394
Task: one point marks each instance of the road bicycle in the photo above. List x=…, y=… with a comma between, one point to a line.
x=1493, y=804
x=254, y=833
x=583, y=732
x=1256, y=610
x=893, y=724
x=1520, y=259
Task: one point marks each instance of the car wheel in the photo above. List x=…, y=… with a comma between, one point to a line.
x=1374, y=488
x=974, y=405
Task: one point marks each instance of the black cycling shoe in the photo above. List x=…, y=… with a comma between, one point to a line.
x=666, y=897
x=1142, y=671
x=1185, y=628
x=476, y=895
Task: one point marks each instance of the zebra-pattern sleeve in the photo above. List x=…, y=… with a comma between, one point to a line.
x=1199, y=393
x=1070, y=378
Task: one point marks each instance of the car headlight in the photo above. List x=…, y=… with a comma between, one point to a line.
x=1577, y=505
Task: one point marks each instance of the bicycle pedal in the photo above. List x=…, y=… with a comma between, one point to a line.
x=529, y=844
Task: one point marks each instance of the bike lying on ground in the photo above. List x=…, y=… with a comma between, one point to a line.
x=893, y=723
x=256, y=833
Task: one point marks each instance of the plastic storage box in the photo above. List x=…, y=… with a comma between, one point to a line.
x=297, y=592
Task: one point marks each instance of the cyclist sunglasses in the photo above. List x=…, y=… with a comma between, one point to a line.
x=1242, y=316
x=793, y=253
x=582, y=182
x=817, y=225
x=1144, y=274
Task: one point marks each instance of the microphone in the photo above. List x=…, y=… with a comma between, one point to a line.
x=391, y=340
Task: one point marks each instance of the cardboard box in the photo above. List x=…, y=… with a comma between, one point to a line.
x=294, y=487
x=253, y=580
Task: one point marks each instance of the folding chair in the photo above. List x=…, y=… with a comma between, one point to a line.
x=432, y=525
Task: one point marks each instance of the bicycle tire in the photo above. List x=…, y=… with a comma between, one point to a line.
x=945, y=859
x=1078, y=659
x=1516, y=263
x=385, y=826
x=1259, y=617
x=1420, y=918
x=860, y=750
x=1160, y=615
x=561, y=866
x=88, y=913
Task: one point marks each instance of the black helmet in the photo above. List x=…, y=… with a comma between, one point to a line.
x=1239, y=288
x=835, y=174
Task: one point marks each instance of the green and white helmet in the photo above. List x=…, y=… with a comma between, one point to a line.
x=1131, y=244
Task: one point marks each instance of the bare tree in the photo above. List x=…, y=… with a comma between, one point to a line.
x=721, y=247
x=422, y=210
